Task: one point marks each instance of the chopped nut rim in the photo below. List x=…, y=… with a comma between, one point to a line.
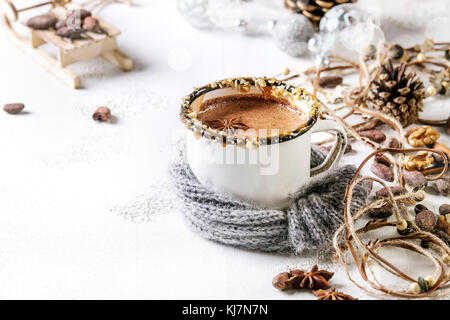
x=278, y=89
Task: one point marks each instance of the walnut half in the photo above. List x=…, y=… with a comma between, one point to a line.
x=422, y=136
x=419, y=162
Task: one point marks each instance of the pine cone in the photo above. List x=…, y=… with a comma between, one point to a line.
x=397, y=94
x=314, y=10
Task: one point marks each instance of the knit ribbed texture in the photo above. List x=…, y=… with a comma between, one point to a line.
x=306, y=226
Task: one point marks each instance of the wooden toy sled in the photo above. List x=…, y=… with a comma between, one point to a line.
x=68, y=51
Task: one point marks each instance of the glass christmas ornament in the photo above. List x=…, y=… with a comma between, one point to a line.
x=291, y=34
x=343, y=16
x=195, y=12
x=229, y=14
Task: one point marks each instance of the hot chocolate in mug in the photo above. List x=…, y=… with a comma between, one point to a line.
x=232, y=152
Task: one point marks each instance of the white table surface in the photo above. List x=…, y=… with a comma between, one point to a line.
x=62, y=173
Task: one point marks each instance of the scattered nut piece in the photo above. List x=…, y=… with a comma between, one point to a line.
x=69, y=32
x=396, y=191
x=281, y=281
x=91, y=24
x=426, y=220
x=447, y=126
x=422, y=136
x=437, y=157
x=419, y=207
x=60, y=24
x=13, y=108
x=79, y=13
x=327, y=149
x=381, y=158
x=419, y=162
x=444, y=209
x=330, y=81
x=42, y=22
x=381, y=213
x=415, y=179
x=441, y=186
x=392, y=143
x=382, y=171
x=102, y=114
x=374, y=135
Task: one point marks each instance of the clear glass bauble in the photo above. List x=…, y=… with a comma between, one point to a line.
x=342, y=16
x=195, y=12
x=229, y=14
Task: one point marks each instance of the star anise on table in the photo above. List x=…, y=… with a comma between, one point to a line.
x=332, y=295
x=226, y=125
x=298, y=279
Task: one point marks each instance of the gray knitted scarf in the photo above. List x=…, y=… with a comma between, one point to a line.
x=305, y=227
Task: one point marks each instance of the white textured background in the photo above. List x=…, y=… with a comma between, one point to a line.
x=78, y=213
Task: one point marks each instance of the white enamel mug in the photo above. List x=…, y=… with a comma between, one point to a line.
x=263, y=172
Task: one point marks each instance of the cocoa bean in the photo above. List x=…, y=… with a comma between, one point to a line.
x=443, y=235
x=437, y=157
x=374, y=135
x=69, y=32
x=327, y=149
x=13, y=108
x=447, y=126
x=426, y=220
x=419, y=207
x=441, y=185
x=42, y=22
x=381, y=158
x=79, y=13
x=102, y=114
x=444, y=209
x=330, y=81
x=392, y=143
x=91, y=24
x=396, y=191
x=415, y=179
x=381, y=213
x=382, y=171
x=60, y=24
x=74, y=22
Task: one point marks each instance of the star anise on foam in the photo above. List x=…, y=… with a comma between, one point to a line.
x=332, y=295
x=226, y=125
x=298, y=279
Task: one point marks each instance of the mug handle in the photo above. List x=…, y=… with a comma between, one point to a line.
x=338, y=149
